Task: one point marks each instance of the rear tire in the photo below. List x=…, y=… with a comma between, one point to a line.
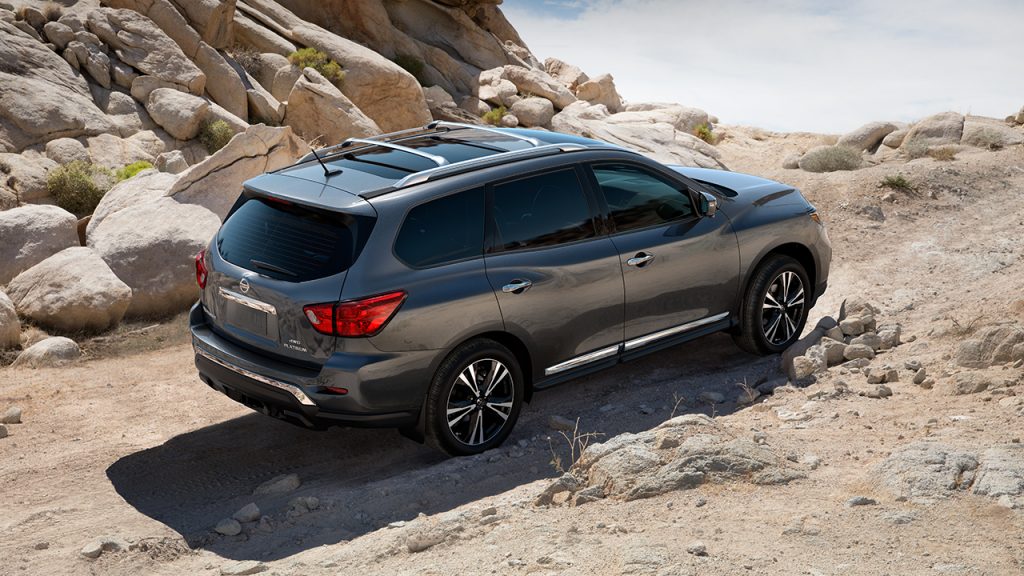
x=774, y=309
x=474, y=399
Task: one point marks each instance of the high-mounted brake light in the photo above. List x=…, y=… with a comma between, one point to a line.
x=201, y=270
x=355, y=318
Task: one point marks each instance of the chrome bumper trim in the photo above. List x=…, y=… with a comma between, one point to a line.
x=642, y=340
x=584, y=359
x=246, y=301
x=289, y=388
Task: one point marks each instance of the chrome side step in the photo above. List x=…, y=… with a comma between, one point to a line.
x=631, y=344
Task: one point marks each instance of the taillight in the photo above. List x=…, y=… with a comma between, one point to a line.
x=201, y=271
x=354, y=318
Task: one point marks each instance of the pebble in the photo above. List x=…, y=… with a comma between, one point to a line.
x=3, y=431
x=711, y=397
x=99, y=546
x=760, y=438
x=249, y=513
x=556, y=422
x=701, y=501
x=812, y=461
x=265, y=525
x=697, y=548
x=858, y=351
x=912, y=365
x=12, y=416
x=41, y=545
x=279, y=485
x=228, y=527
x=489, y=511
x=920, y=375
x=243, y=568
x=880, y=391
x=860, y=501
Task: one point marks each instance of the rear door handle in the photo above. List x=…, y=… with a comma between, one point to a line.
x=640, y=260
x=517, y=286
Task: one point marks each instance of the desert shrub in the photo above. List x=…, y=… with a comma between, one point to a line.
x=494, y=116
x=319, y=61
x=412, y=65
x=132, y=169
x=704, y=133
x=943, y=153
x=248, y=58
x=78, y=186
x=52, y=11
x=830, y=159
x=897, y=182
x=215, y=135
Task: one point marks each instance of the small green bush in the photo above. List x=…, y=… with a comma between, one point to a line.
x=704, y=133
x=317, y=60
x=412, y=65
x=494, y=116
x=247, y=58
x=78, y=187
x=897, y=182
x=830, y=159
x=215, y=135
x=943, y=153
x=132, y=169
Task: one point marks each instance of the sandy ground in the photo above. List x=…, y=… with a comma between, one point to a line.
x=130, y=444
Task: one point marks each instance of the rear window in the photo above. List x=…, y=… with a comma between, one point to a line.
x=290, y=242
x=443, y=230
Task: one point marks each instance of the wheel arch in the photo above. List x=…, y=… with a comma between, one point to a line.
x=795, y=250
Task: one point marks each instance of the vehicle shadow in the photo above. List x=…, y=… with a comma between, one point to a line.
x=368, y=479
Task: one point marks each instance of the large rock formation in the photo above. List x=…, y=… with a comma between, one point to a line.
x=32, y=234
x=216, y=183
x=10, y=326
x=71, y=291
x=318, y=111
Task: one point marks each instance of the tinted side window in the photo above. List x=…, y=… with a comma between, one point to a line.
x=443, y=230
x=540, y=211
x=638, y=198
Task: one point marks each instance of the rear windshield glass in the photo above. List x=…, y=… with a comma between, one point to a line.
x=290, y=242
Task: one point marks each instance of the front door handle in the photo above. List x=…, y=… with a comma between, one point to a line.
x=640, y=260
x=517, y=286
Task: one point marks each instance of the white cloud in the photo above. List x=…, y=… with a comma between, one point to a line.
x=794, y=64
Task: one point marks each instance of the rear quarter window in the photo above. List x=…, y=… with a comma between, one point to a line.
x=291, y=242
x=444, y=230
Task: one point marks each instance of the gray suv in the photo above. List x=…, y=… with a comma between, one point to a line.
x=433, y=279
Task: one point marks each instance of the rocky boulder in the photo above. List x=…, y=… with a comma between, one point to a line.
x=682, y=453
x=216, y=182
x=992, y=345
x=146, y=186
x=178, y=113
x=924, y=471
x=10, y=326
x=895, y=138
x=936, y=130
x=25, y=175
x=317, y=110
x=48, y=353
x=42, y=98
x=73, y=290
x=990, y=134
x=868, y=137
x=533, y=111
x=683, y=118
x=32, y=234
x=151, y=247
x=601, y=90
x=570, y=76
x=538, y=83
x=140, y=43
x=66, y=151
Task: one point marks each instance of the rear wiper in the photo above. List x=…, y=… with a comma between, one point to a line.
x=272, y=268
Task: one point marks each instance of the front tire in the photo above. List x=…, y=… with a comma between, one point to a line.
x=474, y=399
x=775, y=306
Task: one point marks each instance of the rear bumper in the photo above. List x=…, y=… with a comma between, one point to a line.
x=297, y=395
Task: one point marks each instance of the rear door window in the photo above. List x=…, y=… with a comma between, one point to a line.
x=444, y=230
x=538, y=211
x=290, y=242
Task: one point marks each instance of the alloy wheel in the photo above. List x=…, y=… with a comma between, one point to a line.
x=480, y=401
x=783, y=308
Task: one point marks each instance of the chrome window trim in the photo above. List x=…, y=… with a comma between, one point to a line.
x=246, y=301
x=292, y=389
x=584, y=359
x=642, y=340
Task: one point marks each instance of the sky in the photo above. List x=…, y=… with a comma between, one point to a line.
x=793, y=65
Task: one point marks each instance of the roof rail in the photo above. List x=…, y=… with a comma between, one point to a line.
x=439, y=160
x=441, y=124
x=474, y=164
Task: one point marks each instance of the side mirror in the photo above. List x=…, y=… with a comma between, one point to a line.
x=708, y=204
